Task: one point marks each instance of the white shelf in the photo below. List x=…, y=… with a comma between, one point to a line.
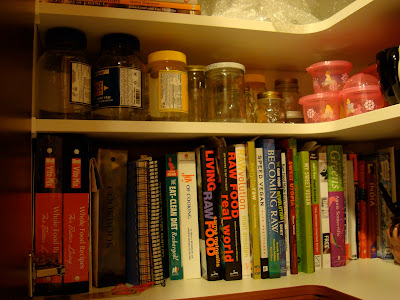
x=372, y=126
x=356, y=33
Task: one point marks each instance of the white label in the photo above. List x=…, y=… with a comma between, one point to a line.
x=170, y=91
x=81, y=83
x=130, y=87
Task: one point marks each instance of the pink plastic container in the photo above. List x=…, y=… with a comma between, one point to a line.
x=329, y=76
x=361, y=94
x=321, y=107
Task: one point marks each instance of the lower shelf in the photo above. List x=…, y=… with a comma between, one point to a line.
x=364, y=278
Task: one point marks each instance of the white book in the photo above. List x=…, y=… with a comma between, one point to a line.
x=286, y=211
x=188, y=214
x=240, y=151
x=351, y=211
x=324, y=209
x=261, y=206
x=346, y=204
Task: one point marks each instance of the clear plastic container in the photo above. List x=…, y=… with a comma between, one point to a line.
x=361, y=94
x=64, y=77
x=225, y=92
x=270, y=108
x=321, y=107
x=168, y=86
x=196, y=92
x=289, y=89
x=254, y=84
x=329, y=76
x=119, y=80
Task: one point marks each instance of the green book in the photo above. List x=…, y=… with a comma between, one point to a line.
x=253, y=209
x=316, y=220
x=305, y=213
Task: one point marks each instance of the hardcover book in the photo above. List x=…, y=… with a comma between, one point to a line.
x=336, y=205
x=372, y=205
x=362, y=209
x=315, y=210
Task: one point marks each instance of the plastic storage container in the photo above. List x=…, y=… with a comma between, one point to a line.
x=361, y=94
x=329, y=76
x=321, y=107
x=270, y=108
x=225, y=92
x=196, y=92
x=64, y=76
x=254, y=84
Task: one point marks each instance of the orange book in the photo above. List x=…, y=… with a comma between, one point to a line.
x=151, y=4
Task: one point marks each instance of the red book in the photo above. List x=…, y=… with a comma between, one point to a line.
x=372, y=206
x=362, y=209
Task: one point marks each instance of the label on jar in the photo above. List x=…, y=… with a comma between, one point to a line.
x=81, y=83
x=118, y=87
x=173, y=91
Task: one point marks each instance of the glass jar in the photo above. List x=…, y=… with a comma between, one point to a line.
x=225, y=92
x=290, y=94
x=196, y=90
x=119, y=80
x=168, y=86
x=254, y=84
x=270, y=108
x=64, y=76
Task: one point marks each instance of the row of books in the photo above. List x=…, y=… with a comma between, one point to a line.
x=171, y=6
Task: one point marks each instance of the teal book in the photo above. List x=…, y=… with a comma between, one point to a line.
x=271, y=196
x=174, y=240
x=305, y=213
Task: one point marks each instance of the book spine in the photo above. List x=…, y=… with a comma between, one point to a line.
x=208, y=210
x=372, y=207
x=286, y=209
x=307, y=248
x=76, y=214
x=281, y=213
x=230, y=214
x=173, y=229
x=336, y=205
x=159, y=9
x=292, y=213
x=316, y=221
x=150, y=3
x=240, y=151
x=362, y=209
x=132, y=263
x=271, y=208
x=188, y=210
x=351, y=194
x=181, y=1
x=253, y=209
x=48, y=208
x=346, y=205
x=262, y=215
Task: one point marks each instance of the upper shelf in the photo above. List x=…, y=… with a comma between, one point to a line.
x=355, y=33
x=376, y=125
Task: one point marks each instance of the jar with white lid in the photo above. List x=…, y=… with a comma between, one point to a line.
x=225, y=92
x=289, y=89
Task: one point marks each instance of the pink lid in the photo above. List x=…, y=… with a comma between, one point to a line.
x=361, y=82
x=328, y=96
x=371, y=70
x=330, y=64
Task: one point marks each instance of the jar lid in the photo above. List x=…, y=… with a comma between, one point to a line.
x=269, y=94
x=286, y=81
x=193, y=68
x=294, y=114
x=223, y=65
x=166, y=55
x=120, y=40
x=254, y=78
x=65, y=38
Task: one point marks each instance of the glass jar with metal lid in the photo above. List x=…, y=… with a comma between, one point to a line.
x=290, y=94
x=196, y=92
x=270, y=108
x=168, y=86
x=225, y=92
x=254, y=84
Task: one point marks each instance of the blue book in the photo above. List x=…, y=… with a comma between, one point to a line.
x=274, y=265
x=281, y=212
x=132, y=262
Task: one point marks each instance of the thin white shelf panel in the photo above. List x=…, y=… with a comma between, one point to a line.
x=376, y=125
x=356, y=33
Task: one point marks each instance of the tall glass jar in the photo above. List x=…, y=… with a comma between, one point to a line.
x=254, y=84
x=64, y=76
x=270, y=108
x=119, y=80
x=289, y=89
x=196, y=89
x=168, y=86
x=225, y=92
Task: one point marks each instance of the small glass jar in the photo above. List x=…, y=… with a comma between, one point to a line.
x=290, y=94
x=196, y=90
x=270, y=108
x=168, y=86
x=225, y=92
x=119, y=80
x=254, y=84
x=64, y=76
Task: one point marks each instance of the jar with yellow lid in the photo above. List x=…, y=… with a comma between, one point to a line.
x=168, y=86
x=196, y=90
x=254, y=84
x=270, y=108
